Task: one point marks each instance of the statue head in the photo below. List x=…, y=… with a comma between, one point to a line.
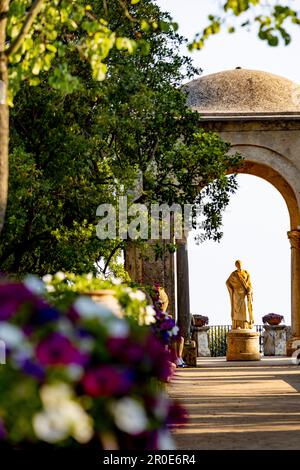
x=238, y=265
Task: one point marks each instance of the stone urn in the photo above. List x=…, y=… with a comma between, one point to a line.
x=108, y=298
x=200, y=320
x=272, y=319
x=200, y=335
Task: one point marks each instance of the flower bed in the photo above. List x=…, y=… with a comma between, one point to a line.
x=77, y=375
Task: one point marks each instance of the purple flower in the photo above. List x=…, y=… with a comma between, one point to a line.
x=73, y=314
x=177, y=414
x=2, y=431
x=167, y=324
x=125, y=350
x=159, y=315
x=28, y=329
x=160, y=358
x=107, y=381
x=32, y=368
x=12, y=297
x=57, y=349
x=45, y=314
x=82, y=333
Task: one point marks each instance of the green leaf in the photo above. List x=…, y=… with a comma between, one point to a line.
x=272, y=40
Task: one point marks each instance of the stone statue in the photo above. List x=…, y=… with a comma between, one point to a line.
x=160, y=297
x=241, y=297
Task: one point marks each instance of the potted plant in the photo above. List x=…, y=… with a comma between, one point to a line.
x=200, y=320
x=272, y=319
x=81, y=376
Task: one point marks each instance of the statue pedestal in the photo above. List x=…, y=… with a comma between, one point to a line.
x=190, y=353
x=242, y=345
x=200, y=335
x=275, y=340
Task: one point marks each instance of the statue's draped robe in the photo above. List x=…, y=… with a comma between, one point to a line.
x=163, y=297
x=240, y=291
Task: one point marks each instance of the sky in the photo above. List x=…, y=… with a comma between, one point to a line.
x=256, y=222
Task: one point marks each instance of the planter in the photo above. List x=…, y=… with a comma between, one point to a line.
x=200, y=320
x=274, y=322
x=106, y=297
x=272, y=319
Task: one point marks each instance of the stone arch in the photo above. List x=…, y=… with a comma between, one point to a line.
x=273, y=167
x=256, y=112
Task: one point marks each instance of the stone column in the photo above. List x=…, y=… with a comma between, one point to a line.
x=183, y=293
x=274, y=340
x=200, y=335
x=144, y=268
x=133, y=262
x=294, y=342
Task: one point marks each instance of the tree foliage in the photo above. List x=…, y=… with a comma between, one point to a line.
x=38, y=36
x=71, y=151
x=59, y=27
x=273, y=20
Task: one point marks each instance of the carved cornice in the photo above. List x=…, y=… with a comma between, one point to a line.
x=294, y=237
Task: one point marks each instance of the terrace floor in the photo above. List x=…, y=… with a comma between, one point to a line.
x=239, y=405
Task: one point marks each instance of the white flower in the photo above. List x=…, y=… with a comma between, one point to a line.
x=138, y=295
x=60, y=276
x=49, y=426
x=47, y=278
x=80, y=424
x=129, y=416
x=52, y=395
x=150, y=315
x=23, y=350
x=174, y=331
x=89, y=309
x=11, y=335
x=68, y=418
x=89, y=276
x=116, y=281
x=34, y=284
x=83, y=431
x=118, y=328
x=75, y=372
x=165, y=441
x=62, y=416
x=64, y=326
x=50, y=288
x=128, y=290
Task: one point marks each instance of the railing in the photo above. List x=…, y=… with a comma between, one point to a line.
x=217, y=339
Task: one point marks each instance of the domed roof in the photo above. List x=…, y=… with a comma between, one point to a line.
x=243, y=91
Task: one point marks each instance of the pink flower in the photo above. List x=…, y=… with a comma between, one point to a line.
x=57, y=349
x=106, y=381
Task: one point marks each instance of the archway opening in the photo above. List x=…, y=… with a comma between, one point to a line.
x=255, y=227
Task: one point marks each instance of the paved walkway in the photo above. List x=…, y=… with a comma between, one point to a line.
x=238, y=405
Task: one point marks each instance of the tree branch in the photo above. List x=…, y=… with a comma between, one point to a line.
x=31, y=16
x=126, y=11
x=114, y=250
